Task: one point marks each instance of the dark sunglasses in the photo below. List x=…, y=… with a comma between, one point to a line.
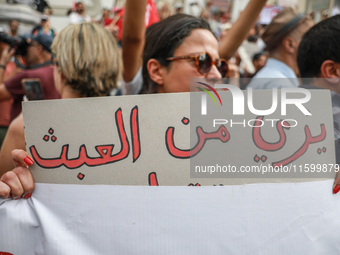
x=204, y=62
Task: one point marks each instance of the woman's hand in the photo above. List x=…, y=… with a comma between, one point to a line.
x=336, y=185
x=18, y=182
x=6, y=55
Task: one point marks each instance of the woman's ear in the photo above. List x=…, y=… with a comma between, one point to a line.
x=330, y=71
x=156, y=71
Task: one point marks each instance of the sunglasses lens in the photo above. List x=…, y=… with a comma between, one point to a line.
x=222, y=67
x=204, y=62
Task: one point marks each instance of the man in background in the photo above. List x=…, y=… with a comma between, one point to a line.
x=79, y=15
x=106, y=17
x=259, y=61
x=13, y=28
x=318, y=58
x=38, y=59
x=44, y=27
x=282, y=37
x=43, y=6
x=5, y=106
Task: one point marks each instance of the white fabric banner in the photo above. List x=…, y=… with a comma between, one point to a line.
x=279, y=218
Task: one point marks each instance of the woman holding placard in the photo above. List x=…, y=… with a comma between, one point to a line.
x=191, y=51
x=87, y=64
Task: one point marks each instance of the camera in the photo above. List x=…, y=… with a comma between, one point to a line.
x=20, y=43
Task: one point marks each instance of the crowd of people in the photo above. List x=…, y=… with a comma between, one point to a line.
x=143, y=56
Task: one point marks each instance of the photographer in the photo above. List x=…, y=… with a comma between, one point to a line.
x=5, y=106
x=38, y=58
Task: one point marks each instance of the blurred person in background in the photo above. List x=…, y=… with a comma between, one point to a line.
x=13, y=28
x=224, y=30
x=259, y=61
x=38, y=59
x=225, y=17
x=215, y=23
x=206, y=12
x=282, y=37
x=249, y=43
x=163, y=10
x=87, y=64
x=79, y=15
x=109, y=23
x=106, y=17
x=69, y=11
x=240, y=28
x=7, y=71
x=5, y=106
x=178, y=8
x=44, y=27
x=43, y=6
x=245, y=52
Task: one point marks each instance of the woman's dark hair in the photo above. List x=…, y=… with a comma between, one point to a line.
x=163, y=38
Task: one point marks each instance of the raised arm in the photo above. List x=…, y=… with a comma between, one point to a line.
x=15, y=139
x=240, y=28
x=133, y=37
x=6, y=55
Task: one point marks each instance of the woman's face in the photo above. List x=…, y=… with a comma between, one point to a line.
x=176, y=77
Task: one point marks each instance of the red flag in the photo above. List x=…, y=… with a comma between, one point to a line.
x=151, y=16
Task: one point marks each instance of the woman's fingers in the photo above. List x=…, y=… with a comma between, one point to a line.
x=26, y=180
x=12, y=180
x=17, y=183
x=21, y=158
x=5, y=190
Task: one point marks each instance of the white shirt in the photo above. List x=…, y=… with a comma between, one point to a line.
x=275, y=74
x=76, y=18
x=135, y=86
